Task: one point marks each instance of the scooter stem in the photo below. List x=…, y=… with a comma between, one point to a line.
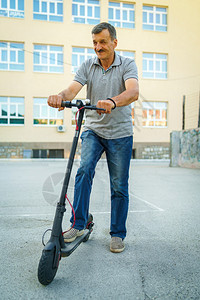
x=71, y=157
x=57, y=224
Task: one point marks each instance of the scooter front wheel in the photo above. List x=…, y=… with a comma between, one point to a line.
x=46, y=268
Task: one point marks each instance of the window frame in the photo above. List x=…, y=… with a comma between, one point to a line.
x=45, y=54
x=154, y=60
x=9, y=117
x=48, y=116
x=11, y=12
x=11, y=47
x=48, y=14
x=124, y=52
x=154, y=106
x=86, y=19
x=122, y=9
x=154, y=23
x=86, y=55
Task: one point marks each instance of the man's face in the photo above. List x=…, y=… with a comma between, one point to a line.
x=103, y=44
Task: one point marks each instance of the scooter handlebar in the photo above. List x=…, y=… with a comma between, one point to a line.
x=80, y=104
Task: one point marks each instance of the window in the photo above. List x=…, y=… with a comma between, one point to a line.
x=154, y=18
x=11, y=56
x=79, y=55
x=48, y=10
x=121, y=14
x=48, y=59
x=86, y=11
x=11, y=111
x=154, y=66
x=12, y=8
x=128, y=54
x=44, y=114
x=154, y=114
x=48, y=153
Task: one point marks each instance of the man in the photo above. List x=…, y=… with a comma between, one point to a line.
x=111, y=84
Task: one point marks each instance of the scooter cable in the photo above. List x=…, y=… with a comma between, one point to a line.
x=72, y=212
x=44, y=235
x=77, y=128
x=76, y=118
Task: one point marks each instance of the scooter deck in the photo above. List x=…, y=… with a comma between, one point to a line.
x=70, y=247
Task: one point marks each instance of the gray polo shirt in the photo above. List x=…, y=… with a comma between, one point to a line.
x=103, y=84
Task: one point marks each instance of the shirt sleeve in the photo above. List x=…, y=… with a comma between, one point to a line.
x=81, y=74
x=130, y=70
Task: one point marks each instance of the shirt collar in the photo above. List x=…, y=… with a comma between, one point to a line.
x=117, y=61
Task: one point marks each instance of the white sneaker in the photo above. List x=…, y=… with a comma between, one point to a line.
x=72, y=234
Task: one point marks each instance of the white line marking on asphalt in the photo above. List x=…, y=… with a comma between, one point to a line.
x=156, y=208
x=147, y=202
x=130, y=211
x=28, y=215
x=94, y=213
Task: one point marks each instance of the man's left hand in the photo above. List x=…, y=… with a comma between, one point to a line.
x=106, y=104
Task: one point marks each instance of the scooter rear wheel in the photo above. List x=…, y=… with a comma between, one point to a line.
x=90, y=219
x=46, y=270
x=89, y=226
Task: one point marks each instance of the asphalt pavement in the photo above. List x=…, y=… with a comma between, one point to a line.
x=161, y=259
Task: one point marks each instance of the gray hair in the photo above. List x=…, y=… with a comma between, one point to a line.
x=101, y=26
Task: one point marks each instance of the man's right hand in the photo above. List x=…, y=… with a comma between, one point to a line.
x=55, y=101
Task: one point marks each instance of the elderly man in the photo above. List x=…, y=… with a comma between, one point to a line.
x=112, y=84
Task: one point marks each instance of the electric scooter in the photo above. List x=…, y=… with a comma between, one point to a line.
x=56, y=248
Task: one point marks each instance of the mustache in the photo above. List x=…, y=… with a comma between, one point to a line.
x=100, y=51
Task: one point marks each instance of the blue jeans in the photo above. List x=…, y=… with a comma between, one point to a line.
x=118, y=154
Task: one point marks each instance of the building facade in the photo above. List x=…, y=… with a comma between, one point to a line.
x=43, y=42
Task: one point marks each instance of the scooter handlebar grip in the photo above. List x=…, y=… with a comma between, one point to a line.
x=66, y=104
x=93, y=107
